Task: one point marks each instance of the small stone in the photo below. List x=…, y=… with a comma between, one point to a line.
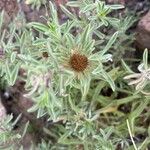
x=11, y=7
x=26, y=8
x=2, y=111
x=143, y=32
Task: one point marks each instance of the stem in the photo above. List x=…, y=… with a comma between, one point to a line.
x=129, y=129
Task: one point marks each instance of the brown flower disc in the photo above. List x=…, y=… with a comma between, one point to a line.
x=78, y=62
x=45, y=54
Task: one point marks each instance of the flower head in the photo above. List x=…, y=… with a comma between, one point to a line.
x=78, y=58
x=140, y=80
x=41, y=80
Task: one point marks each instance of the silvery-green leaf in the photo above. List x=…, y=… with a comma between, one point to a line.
x=116, y=6
x=108, y=79
x=145, y=59
x=74, y=4
x=68, y=13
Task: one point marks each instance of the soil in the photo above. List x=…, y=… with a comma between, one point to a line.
x=10, y=6
x=33, y=14
x=138, y=6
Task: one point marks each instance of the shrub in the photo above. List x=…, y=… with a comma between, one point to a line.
x=72, y=78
